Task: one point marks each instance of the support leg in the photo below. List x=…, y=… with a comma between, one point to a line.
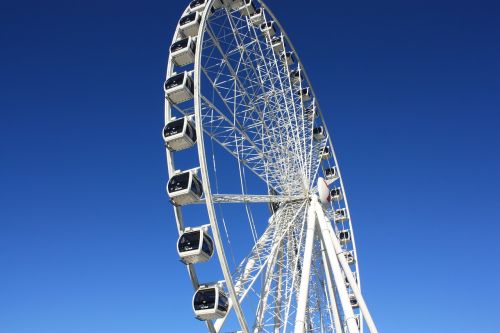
x=334, y=311
x=306, y=270
x=349, y=317
x=339, y=253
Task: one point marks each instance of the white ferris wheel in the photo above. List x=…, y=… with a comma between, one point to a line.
x=254, y=179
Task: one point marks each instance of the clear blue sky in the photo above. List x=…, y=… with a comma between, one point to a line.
x=87, y=237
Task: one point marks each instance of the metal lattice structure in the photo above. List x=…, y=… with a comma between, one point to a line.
x=249, y=151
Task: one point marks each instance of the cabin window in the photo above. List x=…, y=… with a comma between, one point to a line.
x=196, y=3
x=174, y=81
x=179, y=45
x=179, y=182
x=188, y=19
x=318, y=130
x=204, y=299
x=174, y=127
x=189, y=241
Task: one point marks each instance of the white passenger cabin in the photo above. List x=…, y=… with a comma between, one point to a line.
x=325, y=153
x=233, y=4
x=258, y=18
x=210, y=303
x=296, y=76
x=277, y=43
x=341, y=215
x=184, y=188
x=336, y=194
x=305, y=94
x=331, y=173
x=354, y=301
x=195, y=246
x=179, y=88
x=288, y=57
x=179, y=134
x=248, y=8
x=319, y=133
x=199, y=5
x=349, y=256
x=268, y=29
x=344, y=236
x=183, y=51
x=190, y=24
x=310, y=112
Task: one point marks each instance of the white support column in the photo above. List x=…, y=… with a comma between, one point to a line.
x=349, y=316
x=339, y=253
x=350, y=278
x=334, y=311
x=306, y=270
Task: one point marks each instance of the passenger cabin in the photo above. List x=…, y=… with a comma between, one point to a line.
x=336, y=194
x=354, y=301
x=305, y=94
x=210, y=303
x=310, y=112
x=183, y=51
x=349, y=256
x=190, y=24
x=325, y=153
x=258, y=18
x=184, y=188
x=268, y=29
x=233, y=4
x=331, y=173
x=319, y=133
x=296, y=76
x=179, y=134
x=344, y=236
x=195, y=246
x=341, y=215
x=288, y=58
x=277, y=43
x=199, y=5
x=179, y=88
x=248, y=8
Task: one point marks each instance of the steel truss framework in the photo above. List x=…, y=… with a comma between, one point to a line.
x=292, y=271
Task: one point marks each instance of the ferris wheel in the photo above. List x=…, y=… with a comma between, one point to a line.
x=264, y=225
